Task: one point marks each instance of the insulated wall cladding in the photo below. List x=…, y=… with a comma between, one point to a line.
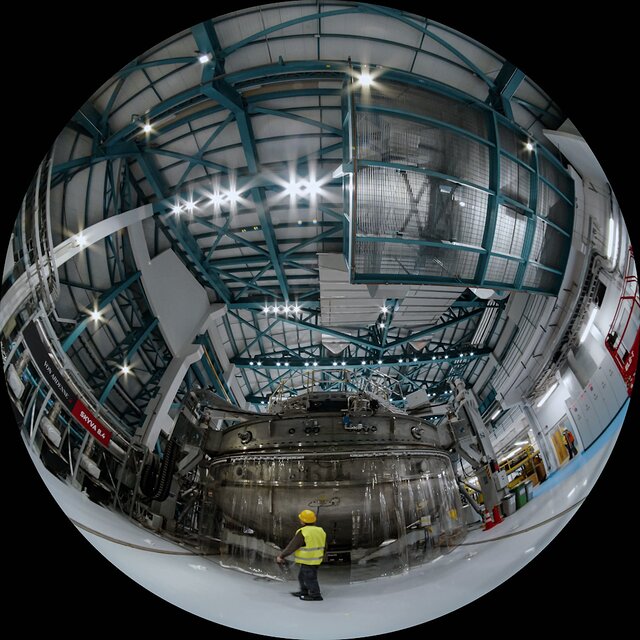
x=598, y=403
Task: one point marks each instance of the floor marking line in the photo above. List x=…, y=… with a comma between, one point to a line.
x=531, y=528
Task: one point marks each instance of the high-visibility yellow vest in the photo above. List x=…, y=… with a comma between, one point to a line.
x=313, y=550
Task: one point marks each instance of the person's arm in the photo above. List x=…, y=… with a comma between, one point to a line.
x=296, y=542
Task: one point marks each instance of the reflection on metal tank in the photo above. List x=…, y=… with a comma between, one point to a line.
x=383, y=489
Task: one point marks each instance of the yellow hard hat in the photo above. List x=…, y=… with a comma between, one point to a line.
x=307, y=516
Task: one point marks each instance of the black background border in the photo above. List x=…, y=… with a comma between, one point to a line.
x=55, y=58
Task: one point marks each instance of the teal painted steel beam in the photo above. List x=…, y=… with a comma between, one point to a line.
x=394, y=13
x=207, y=40
x=205, y=222
x=190, y=159
x=492, y=202
x=332, y=69
x=271, y=383
x=103, y=301
x=265, y=333
x=91, y=121
x=226, y=95
x=424, y=171
x=307, y=363
x=568, y=199
x=153, y=176
x=235, y=278
x=506, y=84
x=187, y=246
x=291, y=93
x=415, y=117
x=338, y=215
x=283, y=25
x=163, y=108
x=216, y=242
x=309, y=306
x=215, y=374
x=139, y=338
x=434, y=329
x=139, y=66
x=301, y=267
x=387, y=319
x=330, y=332
x=420, y=243
x=296, y=117
x=335, y=228
x=530, y=231
x=365, y=9
x=218, y=130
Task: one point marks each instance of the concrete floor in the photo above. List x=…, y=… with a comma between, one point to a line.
x=202, y=587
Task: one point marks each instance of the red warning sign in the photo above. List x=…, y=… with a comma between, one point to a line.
x=91, y=423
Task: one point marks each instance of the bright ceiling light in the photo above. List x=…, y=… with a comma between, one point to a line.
x=379, y=361
x=315, y=363
x=335, y=364
x=203, y=58
x=176, y=209
x=299, y=221
x=433, y=357
x=364, y=362
x=462, y=204
x=315, y=221
x=384, y=309
x=496, y=414
x=306, y=364
x=96, y=315
x=80, y=241
x=400, y=360
x=546, y=396
x=147, y=128
x=251, y=363
x=233, y=196
x=313, y=186
x=592, y=317
x=266, y=308
x=365, y=78
x=529, y=146
x=415, y=359
x=259, y=363
x=446, y=357
x=125, y=369
x=277, y=364
x=381, y=325
x=293, y=188
x=216, y=199
x=190, y=205
x=471, y=353
x=343, y=363
x=296, y=309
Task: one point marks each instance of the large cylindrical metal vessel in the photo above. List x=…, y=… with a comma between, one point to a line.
x=376, y=479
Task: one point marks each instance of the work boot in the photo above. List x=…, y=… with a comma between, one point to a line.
x=308, y=597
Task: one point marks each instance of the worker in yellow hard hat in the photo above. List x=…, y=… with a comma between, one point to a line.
x=308, y=547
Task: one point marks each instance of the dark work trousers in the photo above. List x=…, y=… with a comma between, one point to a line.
x=308, y=579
